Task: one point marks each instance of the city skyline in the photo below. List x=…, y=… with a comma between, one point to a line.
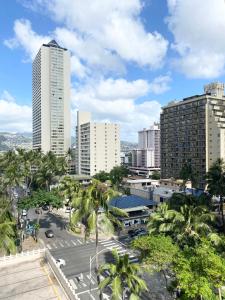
x=116, y=82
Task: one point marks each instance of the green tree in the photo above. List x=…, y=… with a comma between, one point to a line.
x=155, y=175
x=117, y=174
x=199, y=271
x=70, y=189
x=102, y=176
x=215, y=179
x=157, y=253
x=7, y=228
x=187, y=227
x=88, y=204
x=122, y=277
x=40, y=198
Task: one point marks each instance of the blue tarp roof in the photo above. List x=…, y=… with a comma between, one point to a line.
x=131, y=201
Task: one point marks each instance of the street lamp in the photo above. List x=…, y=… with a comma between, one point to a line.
x=91, y=260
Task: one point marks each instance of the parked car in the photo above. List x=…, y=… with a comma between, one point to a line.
x=60, y=262
x=49, y=233
x=68, y=209
x=24, y=213
x=45, y=207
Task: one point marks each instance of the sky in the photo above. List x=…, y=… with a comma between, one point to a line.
x=128, y=57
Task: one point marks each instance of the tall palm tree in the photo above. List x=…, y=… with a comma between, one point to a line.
x=88, y=205
x=187, y=226
x=216, y=183
x=70, y=189
x=122, y=276
x=7, y=228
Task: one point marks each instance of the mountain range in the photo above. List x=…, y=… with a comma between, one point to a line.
x=10, y=141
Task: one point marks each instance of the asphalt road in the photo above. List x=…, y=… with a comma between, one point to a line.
x=76, y=253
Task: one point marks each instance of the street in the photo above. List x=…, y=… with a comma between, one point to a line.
x=76, y=253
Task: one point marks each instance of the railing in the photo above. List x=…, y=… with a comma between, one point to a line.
x=6, y=258
x=62, y=280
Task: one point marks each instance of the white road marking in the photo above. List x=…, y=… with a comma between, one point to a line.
x=61, y=244
x=114, y=247
x=49, y=247
x=87, y=291
x=54, y=245
x=79, y=242
x=107, y=242
x=92, y=279
x=92, y=297
x=68, y=244
x=73, y=284
x=73, y=242
x=112, y=243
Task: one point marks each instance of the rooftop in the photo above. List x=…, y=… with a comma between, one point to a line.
x=54, y=44
x=127, y=202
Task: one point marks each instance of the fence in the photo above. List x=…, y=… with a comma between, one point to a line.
x=63, y=281
x=23, y=255
x=34, y=254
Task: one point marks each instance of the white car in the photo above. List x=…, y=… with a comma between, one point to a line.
x=60, y=262
x=24, y=213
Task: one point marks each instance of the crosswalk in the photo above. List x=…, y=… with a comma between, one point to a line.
x=67, y=243
x=112, y=244
x=82, y=287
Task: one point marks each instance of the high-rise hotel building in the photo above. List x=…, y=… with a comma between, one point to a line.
x=97, y=145
x=193, y=131
x=51, y=99
x=147, y=155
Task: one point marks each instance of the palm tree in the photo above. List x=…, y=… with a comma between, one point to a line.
x=70, y=189
x=122, y=276
x=187, y=226
x=216, y=183
x=88, y=204
x=7, y=228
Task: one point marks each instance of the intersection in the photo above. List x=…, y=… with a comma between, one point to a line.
x=77, y=253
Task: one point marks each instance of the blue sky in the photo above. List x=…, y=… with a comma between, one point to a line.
x=128, y=57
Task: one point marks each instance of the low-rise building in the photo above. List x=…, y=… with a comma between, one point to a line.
x=137, y=208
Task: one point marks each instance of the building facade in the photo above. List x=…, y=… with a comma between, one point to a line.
x=193, y=132
x=148, y=153
x=98, y=145
x=51, y=99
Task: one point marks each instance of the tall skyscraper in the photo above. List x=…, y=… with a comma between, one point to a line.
x=51, y=99
x=193, y=132
x=148, y=153
x=98, y=145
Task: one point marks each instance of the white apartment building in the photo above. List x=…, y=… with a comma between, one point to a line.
x=148, y=153
x=98, y=145
x=51, y=99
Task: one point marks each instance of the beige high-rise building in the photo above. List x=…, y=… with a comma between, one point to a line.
x=51, y=99
x=148, y=153
x=193, y=132
x=98, y=145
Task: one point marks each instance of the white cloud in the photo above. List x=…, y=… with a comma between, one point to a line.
x=197, y=26
x=7, y=96
x=26, y=38
x=160, y=84
x=109, y=30
x=116, y=101
x=14, y=117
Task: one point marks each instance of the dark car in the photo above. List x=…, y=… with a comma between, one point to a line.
x=37, y=211
x=136, y=232
x=49, y=233
x=45, y=207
